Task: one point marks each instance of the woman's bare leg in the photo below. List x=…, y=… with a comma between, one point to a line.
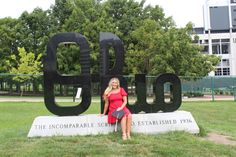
x=128, y=125
x=123, y=127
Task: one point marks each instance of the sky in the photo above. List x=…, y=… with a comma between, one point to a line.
x=182, y=11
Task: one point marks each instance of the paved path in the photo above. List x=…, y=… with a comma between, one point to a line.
x=96, y=99
x=220, y=139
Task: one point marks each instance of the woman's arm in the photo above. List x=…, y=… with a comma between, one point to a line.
x=105, y=106
x=123, y=104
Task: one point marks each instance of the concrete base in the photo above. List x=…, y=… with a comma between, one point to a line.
x=92, y=124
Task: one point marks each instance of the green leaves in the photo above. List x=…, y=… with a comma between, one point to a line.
x=168, y=51
x=7, y=41
x=152, y=42
x=26, y=64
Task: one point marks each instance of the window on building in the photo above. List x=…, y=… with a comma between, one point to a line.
x=222, y=72
x=215, y=48
x=215, y=40
x=206, y=41
x=226, y=71
x=218, y=72
x=225, y=40
x=225, y=62
x=225, y=48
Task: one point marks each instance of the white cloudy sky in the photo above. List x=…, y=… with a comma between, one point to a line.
x=182, y=11
x=14, y=8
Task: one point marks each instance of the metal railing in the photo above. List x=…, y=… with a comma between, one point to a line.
x=193, y=88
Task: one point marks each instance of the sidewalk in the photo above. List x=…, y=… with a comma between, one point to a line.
x=97, y=99
x=210, y=98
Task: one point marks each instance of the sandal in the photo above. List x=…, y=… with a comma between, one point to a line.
x=128, y=136
x=124, y=137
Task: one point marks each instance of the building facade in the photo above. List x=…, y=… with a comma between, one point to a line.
x=218, y=36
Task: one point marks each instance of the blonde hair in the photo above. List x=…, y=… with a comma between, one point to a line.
x=109, y=88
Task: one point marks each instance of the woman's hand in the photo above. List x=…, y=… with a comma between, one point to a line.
x=119, y=108
x=101, y=115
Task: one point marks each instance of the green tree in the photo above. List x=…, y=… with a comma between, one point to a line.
x=129, y=17
x=153, y=43
x=170, y=51
x=140, y=51
x=61, y=11
x=126, y=15
x=89, y=19
x=33, y=30
x=8, y=42
x=28, y=67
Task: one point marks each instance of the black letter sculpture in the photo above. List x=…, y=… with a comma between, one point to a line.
x=140, y=80
x=52, y=77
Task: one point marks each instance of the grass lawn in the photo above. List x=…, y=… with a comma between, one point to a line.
x=16, y=119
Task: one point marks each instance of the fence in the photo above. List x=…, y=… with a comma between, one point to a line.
x=193, y=88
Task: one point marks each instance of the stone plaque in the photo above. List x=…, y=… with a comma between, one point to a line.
x=92, y=124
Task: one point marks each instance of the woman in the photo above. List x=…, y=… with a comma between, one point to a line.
x=116, y=99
